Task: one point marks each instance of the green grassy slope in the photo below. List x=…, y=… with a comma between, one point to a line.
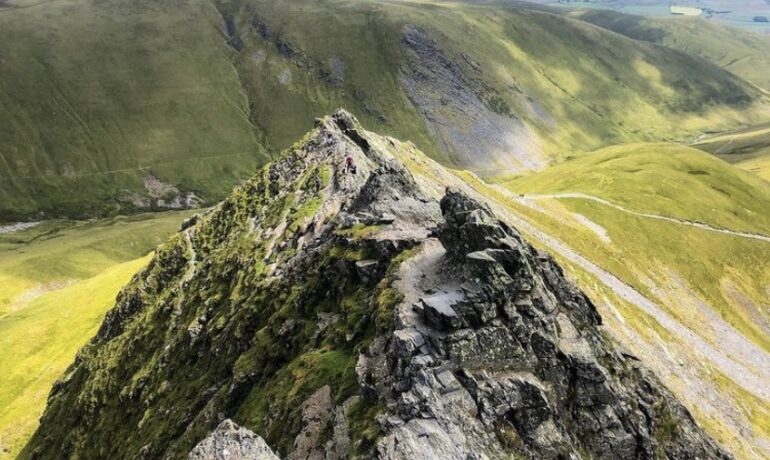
x=56, y=282
x=759, y=166
x=660, y=258
x=666, y=179
x=744, y=54
x=40, y=342
x=110, y=91
x=197, y=92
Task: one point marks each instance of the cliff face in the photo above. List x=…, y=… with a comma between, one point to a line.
x=343, y=315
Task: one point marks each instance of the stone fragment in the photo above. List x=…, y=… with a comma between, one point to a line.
x=317, y=413
x=232, y=442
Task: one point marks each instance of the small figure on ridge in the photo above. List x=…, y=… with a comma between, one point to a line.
x=350, y=166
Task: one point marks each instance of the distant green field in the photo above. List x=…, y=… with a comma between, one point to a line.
x=738, y=14
x=56, y=283
x=666, y=179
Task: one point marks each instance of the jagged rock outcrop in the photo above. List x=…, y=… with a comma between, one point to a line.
x=232, y=442
x=342, y=315
x=498, y=352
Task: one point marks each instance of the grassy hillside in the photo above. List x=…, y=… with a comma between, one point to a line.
x=665, y=179
x=56, y=282
x=110, y=92
x=759, y=166
x=119, y=106
x=660, y=257
x=574, y=86
x=742, y=53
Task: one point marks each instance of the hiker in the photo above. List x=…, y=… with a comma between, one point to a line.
x=350, y=166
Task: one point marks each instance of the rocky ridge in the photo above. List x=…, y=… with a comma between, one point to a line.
x=343, y=315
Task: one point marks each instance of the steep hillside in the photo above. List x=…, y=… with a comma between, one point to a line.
x=118, y=107
x=499, y=87
x=57, y=281
x=340, y=314
x=742, y=53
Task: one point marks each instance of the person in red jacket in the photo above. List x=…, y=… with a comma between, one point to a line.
x=350, y=165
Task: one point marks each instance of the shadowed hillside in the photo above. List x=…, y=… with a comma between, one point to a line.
x=118, y=107
x=747, y=148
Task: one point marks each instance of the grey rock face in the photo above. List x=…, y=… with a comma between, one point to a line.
x=232, y=442
x=502, y=355
x=443, y=91
x=317, y=414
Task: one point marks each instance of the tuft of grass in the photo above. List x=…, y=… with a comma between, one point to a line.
x=364, y=426
x=359, y=231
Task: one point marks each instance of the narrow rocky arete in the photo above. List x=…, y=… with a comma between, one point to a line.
x=339, y=315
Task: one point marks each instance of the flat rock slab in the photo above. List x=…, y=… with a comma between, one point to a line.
x=438, y=309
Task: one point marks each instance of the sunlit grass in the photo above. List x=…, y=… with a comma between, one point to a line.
x=57, y=281
x=40, y=341
x=672, y=181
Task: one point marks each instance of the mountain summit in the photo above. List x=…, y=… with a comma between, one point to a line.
x=342, y=315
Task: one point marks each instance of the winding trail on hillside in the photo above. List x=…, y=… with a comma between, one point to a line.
x=743, y=361
x=17, y=227
x=673, y=220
